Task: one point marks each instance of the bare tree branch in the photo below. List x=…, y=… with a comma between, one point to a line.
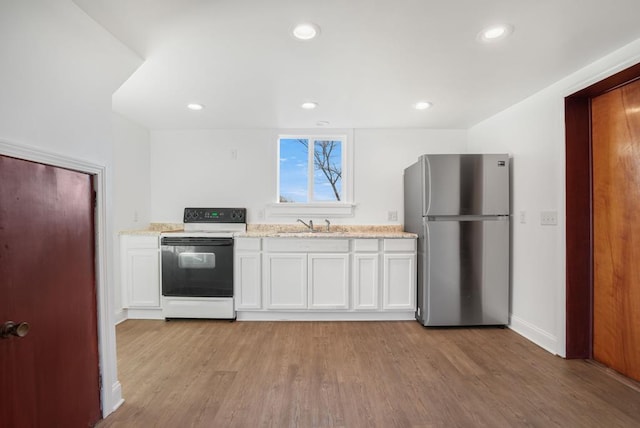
x=322, y=161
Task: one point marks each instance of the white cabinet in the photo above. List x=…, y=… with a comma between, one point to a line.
x=366, y=278
x=247, y=277
x=140, y=271
x=399, y=274
x=325, y=278
x=328, y=285
x=285, y=276
x=306, y=273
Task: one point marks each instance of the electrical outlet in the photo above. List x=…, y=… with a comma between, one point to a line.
x=135, y=216
x=234, y=154
x=260, y=214
x=549, y=218
x=392, y=215
x=523, y=217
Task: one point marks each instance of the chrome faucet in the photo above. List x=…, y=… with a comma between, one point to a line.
x=328, y=225
x=309, y=226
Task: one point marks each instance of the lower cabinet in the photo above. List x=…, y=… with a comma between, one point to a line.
x=285, y=281
x=140, y=271
x=304, y=280
x=328, y=286
x=366, y=274
x=366, y=281
x=323, y=276
x=247, y=275
x=399, y=280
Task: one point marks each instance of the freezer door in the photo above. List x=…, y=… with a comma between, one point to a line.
x=464, y=273
x=469, y=184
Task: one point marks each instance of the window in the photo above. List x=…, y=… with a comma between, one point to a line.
x=311, y=169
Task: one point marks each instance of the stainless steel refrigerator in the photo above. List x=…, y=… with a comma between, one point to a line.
x=458, y=205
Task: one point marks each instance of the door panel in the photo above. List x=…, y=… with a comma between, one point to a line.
x=466, y=184
x=328, y=284
x=51, y=376
x=466, y=273
x=616, y=206
x=286, y=276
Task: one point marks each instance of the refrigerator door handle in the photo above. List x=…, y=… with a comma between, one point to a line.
x=501, y=217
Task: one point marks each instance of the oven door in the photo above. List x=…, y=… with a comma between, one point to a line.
x=197, y=267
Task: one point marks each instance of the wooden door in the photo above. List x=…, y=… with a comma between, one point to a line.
x=616, y=228
x=49, y=377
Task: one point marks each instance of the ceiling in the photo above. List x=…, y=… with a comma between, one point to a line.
x=373, y=60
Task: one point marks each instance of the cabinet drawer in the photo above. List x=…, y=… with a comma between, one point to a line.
x=365, y=245
x=306, y=245
x=402, y=244
x=247, y=244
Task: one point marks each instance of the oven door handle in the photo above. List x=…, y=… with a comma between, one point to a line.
x=217, y=244
x=200, y=242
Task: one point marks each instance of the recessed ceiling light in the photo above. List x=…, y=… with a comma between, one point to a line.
x=195, y=106
x=306, y=31
x=322, y=123
x=309, y=105
x=495, y=32
x=422, y=105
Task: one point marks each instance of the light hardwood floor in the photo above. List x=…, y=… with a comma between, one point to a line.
x=356, y=374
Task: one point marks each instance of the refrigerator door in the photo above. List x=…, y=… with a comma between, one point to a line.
x=463, y=270
x=468, y=184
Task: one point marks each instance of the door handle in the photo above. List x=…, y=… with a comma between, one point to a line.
x=11, y=328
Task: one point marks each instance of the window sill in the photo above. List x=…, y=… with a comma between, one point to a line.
x=318, y=209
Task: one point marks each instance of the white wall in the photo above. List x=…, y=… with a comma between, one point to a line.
x=533, y=132
x=131, y=189
x=59, y=70
x=195, y=168
x=380, y=159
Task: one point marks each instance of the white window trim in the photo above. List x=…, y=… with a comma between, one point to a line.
x=343, y=208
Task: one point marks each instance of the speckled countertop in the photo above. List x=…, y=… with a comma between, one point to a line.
x=336, y=231
x=155, y=229
x=292, y=231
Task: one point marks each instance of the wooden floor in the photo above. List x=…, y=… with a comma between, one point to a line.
x=355, y=374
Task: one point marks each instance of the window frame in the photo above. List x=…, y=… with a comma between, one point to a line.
x=345, y=206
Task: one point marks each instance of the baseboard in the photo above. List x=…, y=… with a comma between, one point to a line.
x=542, y=338
x=120, y=316
x=145, y=314
x=323, y=316
x=116, y=400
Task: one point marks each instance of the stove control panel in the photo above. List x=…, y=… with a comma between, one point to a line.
x=215, y=215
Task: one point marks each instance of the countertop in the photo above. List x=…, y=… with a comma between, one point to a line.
x=155, y=229
x=292, y=231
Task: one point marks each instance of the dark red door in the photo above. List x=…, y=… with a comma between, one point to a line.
x=50, y=377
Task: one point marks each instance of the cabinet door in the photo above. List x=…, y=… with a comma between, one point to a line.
x=365, y=281
x=142, y=278
x=247, y=280
x=399, y=281
x=328, y=281
x=285, y=278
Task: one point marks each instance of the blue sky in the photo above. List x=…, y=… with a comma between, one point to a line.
x=294, y=165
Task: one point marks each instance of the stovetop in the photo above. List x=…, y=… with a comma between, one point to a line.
x=209, y=222
x=215, y=215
